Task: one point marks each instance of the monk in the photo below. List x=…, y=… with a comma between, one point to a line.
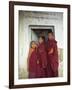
x=34, y=66
x=42, y=55
x=52, y=53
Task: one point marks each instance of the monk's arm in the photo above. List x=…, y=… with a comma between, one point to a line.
x=29, y=54
x=51, y=51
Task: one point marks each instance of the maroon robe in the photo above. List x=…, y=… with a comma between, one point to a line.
x=43, y=57
x=34, y=66
x=52, y=58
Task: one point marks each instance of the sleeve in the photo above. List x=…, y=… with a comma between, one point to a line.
x=29, y=54
x=54, y=61
x=44, y=58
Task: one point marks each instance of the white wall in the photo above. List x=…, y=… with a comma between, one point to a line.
x=55, y=19
x=34, y=36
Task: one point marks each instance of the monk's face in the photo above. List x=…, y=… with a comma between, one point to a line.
x=40, y=40
x=34, y=45
x=50, y=36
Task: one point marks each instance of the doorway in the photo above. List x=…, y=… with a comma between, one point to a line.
x=39, y=30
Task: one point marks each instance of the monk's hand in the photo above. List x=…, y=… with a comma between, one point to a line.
x=37, y=61
x=51, y=51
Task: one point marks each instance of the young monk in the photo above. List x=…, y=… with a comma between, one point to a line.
x=52, y=53
x=34, y=67
x=42, y=55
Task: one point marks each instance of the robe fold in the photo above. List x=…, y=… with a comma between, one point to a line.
x=34, y=65
x=43, y=57
x=52, y=58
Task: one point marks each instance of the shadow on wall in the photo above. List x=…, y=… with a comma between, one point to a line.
x=23, y=73
x=60, y=69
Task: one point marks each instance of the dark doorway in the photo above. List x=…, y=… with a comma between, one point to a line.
x=37, y=30
x=41, y=32
x=35, y=33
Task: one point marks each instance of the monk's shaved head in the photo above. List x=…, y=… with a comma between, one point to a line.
x=50, y=35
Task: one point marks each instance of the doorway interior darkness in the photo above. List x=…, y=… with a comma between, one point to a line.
x=37, y=30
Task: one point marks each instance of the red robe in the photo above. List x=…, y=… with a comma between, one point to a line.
x=34, y=65
x=43, y=57
x=52, y=58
